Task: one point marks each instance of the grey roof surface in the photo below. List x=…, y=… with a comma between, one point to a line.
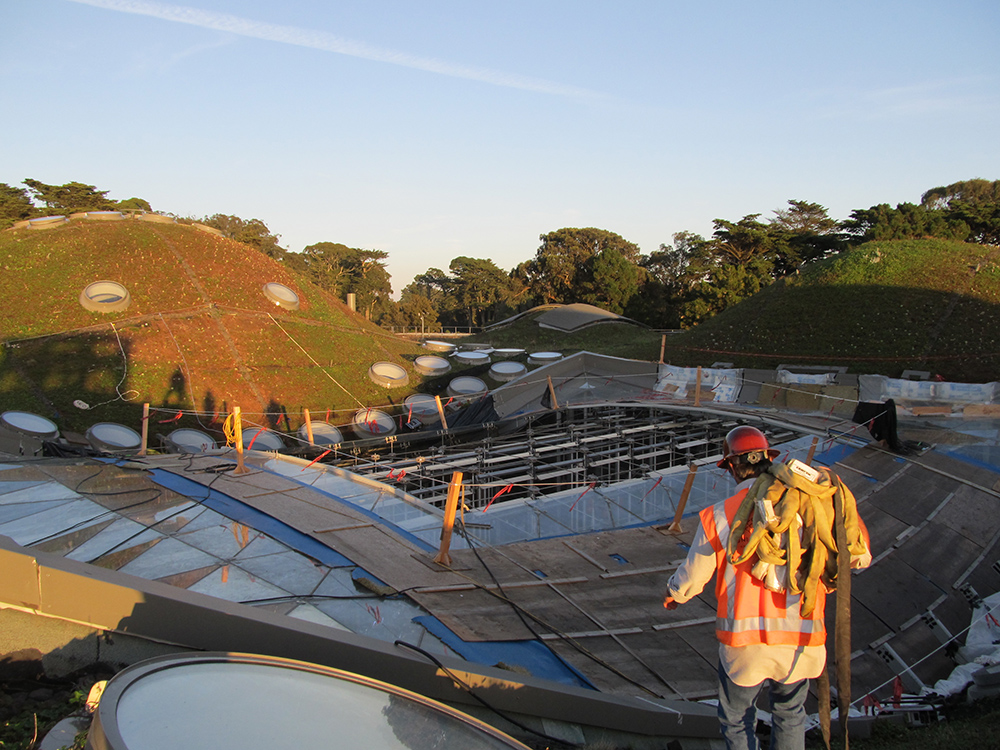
x=573, y=317
x=593, y=596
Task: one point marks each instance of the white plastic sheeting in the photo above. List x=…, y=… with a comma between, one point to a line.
x=881, y=388
x=980, y=648
x=810, y=378
x=676, y=381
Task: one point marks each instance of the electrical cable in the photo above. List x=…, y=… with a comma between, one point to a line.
x=118, y=388
x=106, y=512
x=183, y=509
x=465, y=686
x=551, y=628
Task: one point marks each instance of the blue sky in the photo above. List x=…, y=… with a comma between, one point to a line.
x=433, y=129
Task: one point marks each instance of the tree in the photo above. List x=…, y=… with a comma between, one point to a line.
x=730, y=283
x=741, y=242
x=478, y=287
x=976, y=203
x=369, y=280
x=70, y=198
x=342, y=270
x=15, y=205
x=134, y=204
x=904, y=222
x=739, y=260
x=808, y=230
x=668, y=280
x=417, y=311
x=983, y=220
x=253, y=232
x=325, y=264
x=970, y=192
x=432, y=284
x=562, y=264
x=614, y=281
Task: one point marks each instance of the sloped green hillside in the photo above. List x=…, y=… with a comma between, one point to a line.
x=199, y=333
x=883, y=307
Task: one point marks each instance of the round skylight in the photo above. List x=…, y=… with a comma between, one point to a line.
x=281, y=295
x=105, y=297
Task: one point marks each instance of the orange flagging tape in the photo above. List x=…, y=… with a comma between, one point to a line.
x=508, y=488
x=254, y=438
x=589, y=488
x=315, y=459
x=652, y=488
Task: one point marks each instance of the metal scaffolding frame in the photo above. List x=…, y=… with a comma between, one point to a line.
x=556, y=450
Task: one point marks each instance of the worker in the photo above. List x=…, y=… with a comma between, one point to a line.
x=764, y=639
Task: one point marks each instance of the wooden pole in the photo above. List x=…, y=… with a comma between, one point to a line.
x=552, y=394
x=309, y=427
x=663, y=346
x=238, y=430
x=812, y=451
x=676, y=525
x=444, y=421
x=450, y=509
x=697, y=388
x=145, y=429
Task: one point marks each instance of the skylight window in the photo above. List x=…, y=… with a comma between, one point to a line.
x=105, y=297
x=281, y=295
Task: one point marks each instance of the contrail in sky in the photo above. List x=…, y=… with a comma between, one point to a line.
x=329, y=43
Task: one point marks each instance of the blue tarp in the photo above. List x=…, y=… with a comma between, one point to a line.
x=534, y=656
x=243, y=513
x=982, y=455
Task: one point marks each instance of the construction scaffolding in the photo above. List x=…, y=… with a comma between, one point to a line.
x=559, y=450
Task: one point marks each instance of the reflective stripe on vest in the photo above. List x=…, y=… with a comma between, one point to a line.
x=747, y=613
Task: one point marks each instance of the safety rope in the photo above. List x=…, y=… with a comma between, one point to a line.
x=313, y=360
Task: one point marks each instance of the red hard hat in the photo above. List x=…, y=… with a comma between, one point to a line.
x=744, y=439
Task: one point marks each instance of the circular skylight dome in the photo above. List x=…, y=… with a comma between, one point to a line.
x=466, y=386
x=233, y=701
x=428, y=364
x=504, y=371
x=112, y=437
x=281, y=295
x=105, y=297
x=388, y=374
x=26, y=423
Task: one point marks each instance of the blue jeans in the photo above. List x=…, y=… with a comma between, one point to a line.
x=738, y=714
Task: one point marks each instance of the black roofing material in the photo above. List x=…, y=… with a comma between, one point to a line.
x=881, y=421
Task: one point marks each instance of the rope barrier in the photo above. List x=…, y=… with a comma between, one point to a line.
x=842, y=358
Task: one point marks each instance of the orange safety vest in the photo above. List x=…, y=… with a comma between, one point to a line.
x=747, y=612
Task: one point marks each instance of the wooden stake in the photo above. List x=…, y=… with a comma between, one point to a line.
x=309, y=427
x=676, y=525
x=697, y=388
x=238, y=430
x=451, y=507
x=444, y=421
x=812, y=451
x=145, y=429
x=552, y=394
x=663, y=346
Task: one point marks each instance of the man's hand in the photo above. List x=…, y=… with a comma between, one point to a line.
x=669, y=603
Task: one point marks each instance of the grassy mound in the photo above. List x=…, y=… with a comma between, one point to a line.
x=199, y=333
x=883, y=307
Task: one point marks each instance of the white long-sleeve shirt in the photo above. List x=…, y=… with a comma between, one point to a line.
x=746, y=665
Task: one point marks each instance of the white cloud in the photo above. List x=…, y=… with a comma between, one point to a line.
x=327, y=42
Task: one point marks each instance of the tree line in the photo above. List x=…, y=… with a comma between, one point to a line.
x=675, y=286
